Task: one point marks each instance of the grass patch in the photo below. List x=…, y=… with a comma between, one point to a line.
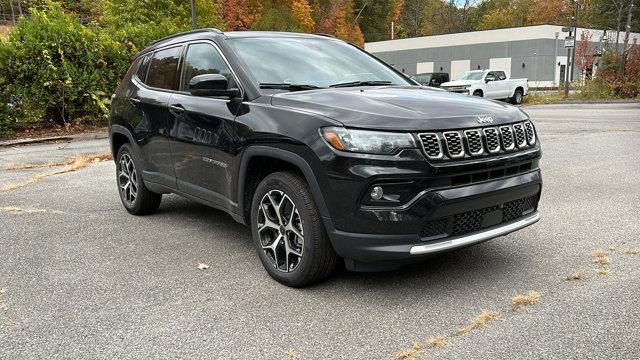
x=520, y=301
x=72, y=164
x=602, y=272
x=479, y=321
x=412, y=353
x=438, y=341
x=578, y=275
x=13, y=209
x=632, y=251
x=601, y=257
x=291, y=355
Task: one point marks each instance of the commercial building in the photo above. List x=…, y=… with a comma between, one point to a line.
x=535, y=52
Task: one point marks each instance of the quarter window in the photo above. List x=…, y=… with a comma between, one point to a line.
x=163, y=69
x=203, y=59
x=142, y=69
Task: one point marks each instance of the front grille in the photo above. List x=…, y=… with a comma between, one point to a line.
x=474, y=220
x=431, y=145
x=454, y=144
x=482, y=142
x=531, y=134
x=521, y=139
x=474, y=142
x=507, y=137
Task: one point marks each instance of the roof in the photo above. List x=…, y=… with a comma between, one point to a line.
x=534, y=32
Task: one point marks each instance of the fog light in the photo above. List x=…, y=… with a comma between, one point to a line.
x=376, y=193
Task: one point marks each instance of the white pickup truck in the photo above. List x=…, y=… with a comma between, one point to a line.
x=490, y=84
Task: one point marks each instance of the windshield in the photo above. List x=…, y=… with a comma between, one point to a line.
x=471, y=75
x=311, y=61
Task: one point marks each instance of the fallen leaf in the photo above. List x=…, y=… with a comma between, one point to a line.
x=203, y=266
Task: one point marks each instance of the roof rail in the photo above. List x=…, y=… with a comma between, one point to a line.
x=324, y=34
x=196, y=31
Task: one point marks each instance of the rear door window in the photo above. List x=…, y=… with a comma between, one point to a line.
x=501, y=75
x=163, y=69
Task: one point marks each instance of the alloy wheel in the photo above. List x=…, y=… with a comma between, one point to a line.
x=128, y=179
x=280, y=230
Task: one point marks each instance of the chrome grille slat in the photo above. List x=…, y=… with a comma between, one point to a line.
x=520, y=137
x=431, y=145
x=531, y=133
x=492, y=139
x=506, y=134
x=480, y=142
x=474, y=142
x=453, y=141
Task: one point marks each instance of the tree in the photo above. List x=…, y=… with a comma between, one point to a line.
x=241, y=14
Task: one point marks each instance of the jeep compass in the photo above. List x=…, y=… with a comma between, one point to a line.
x=328, y=153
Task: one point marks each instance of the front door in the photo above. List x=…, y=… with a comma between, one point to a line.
x=202, y=135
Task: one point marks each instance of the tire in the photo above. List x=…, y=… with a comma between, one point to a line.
x=477, y=93
x=294, y=247
x=517, y=97
x=136, y=198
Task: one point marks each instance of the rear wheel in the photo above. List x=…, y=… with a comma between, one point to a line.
x=288, y=232
x=135, y=197
x=477, y=93
x=517, y=97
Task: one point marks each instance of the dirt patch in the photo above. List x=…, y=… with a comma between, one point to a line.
x=73, y=164
x=481, y=320
x=13, y=209
x=520, y=301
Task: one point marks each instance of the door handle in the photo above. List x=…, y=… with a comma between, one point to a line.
x=176, y=109
x=134, y=101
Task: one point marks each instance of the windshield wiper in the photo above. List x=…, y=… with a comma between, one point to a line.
x=290, y=87
x=363, y=83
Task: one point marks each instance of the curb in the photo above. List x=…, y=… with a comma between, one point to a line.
x=28, y=141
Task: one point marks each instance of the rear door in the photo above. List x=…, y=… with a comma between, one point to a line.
x=203, y=133
x=502, y=90
x=154, y=82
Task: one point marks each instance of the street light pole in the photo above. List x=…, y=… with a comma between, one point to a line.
x=193, y=14
x=555, y=60
x=575, y=40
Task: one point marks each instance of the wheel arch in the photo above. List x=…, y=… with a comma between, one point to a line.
x=118, y=136
x=295, y=161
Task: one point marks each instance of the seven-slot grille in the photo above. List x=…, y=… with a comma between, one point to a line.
x=477, y=142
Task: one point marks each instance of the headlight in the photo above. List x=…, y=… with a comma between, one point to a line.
x=368, y=142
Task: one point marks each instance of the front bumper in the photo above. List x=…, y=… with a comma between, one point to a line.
x=392, y=249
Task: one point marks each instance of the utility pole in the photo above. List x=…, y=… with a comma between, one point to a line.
x=567, y=81
x=623, y=60
x=392, y=30
x=193, y=15
x=575, y=40
x=555, y=59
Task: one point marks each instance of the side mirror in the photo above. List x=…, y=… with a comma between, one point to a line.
x=489, y=78
x=211, y=85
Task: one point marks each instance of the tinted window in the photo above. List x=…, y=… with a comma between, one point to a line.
x=163, y=69
x=142, y=69
x=203, y=59
x=312, y=61
x=501, y=75
x=491, y=74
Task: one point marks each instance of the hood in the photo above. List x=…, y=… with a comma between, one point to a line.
x=459, y=83
x=408, y=108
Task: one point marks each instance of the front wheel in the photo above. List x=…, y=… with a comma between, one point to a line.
x=288, y=232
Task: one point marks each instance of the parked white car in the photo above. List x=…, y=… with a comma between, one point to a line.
x=490, y=84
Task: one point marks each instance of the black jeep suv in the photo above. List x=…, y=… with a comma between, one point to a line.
x=327, y=152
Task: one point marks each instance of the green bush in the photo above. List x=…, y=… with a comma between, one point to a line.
x=55, y=68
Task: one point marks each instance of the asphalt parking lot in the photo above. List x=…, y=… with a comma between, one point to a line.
x=82, y=278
